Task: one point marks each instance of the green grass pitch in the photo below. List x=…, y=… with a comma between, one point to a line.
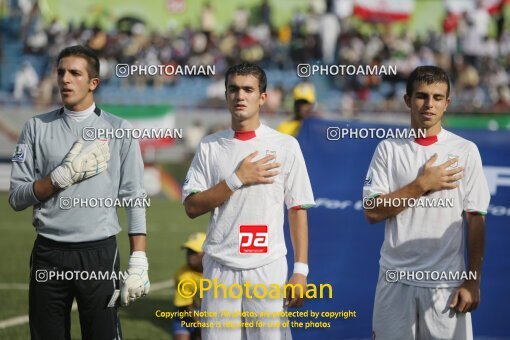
x=168, y=227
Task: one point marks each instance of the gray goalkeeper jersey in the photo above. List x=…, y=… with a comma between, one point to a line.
x=44, y=142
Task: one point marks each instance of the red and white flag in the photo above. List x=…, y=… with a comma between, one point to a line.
x=384, y=10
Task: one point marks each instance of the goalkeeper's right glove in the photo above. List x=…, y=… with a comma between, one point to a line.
x=81, y=164
x=136, y=284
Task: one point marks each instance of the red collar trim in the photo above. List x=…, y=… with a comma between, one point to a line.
x=426, y=141
x=244, y=135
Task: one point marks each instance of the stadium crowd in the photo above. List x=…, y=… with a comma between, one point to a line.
x=477, y=61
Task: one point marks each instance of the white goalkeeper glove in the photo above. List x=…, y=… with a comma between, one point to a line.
x=81, y=164
x=136, y=284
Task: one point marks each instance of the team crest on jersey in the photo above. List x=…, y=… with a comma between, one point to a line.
x=20, y=153
x=452, y=156
x=368, y=179
x=253, y=239
x=273, y=153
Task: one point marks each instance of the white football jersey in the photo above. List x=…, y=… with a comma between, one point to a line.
x=246, y=231
x=424, y=238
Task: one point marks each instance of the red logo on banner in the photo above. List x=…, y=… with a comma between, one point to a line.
x=253, y=239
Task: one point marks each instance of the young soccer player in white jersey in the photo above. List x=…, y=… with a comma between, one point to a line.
x=244, y=176
x=52, y=168
x=425, y=291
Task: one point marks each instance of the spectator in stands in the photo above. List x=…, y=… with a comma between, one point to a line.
x=207, y=19
x=475, y=30
x=502, y=102
x=304, y=101
x=468, y=90
x=55, y=30
x=26, y=80
x=48, y=92
x=37, y=41
x=329, y=32
x=265, y=13
x=450, y=25
x=240, y=20
x=312, y=36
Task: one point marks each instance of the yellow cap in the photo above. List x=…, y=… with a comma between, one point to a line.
x=304, y=91
x=195, y=242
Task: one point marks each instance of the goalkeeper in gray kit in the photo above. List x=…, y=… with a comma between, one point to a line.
x=75, y=254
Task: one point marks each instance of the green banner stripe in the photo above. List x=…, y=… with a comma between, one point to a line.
x=493, y=122
x=138, y=111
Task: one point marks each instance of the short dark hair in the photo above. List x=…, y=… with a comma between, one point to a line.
x=245, y=69
x=428, y=75
x=85, y=53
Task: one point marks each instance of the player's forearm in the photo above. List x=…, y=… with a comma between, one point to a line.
x=298, y=224
x=381, y=210
x=475, y=243
x=137, y=243
x=136, y=221
x=44, y=188
x=23, y=195
x=205, y=201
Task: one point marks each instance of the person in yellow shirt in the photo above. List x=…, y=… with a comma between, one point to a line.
x=304, y=102
x=192, y=270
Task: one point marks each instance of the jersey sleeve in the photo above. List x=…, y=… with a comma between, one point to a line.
x=298, y=189
x=477, y=195
x=198, y=177
x=23, y=171
x=131, y=184
x=376, y=181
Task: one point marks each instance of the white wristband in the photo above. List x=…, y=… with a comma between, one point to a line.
x=233, y=182
x=60, y=177
x=138, y=260
x=301, y=268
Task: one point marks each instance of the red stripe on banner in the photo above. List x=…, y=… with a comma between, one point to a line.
x=371, y=15
x=156, y=143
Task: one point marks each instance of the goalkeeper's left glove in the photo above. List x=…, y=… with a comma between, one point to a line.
x=136, y=284
x=80, y=164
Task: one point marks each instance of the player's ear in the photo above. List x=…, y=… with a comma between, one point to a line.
x=407, y=100
x=93, y=84
x=448, y=101
x=263, y=98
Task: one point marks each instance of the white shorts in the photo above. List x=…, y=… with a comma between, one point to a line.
x=272, y=273
x=403, y=311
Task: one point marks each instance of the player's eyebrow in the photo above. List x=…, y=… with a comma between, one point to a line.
x=235, y=87
x=435, y=95
x=73, y=70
